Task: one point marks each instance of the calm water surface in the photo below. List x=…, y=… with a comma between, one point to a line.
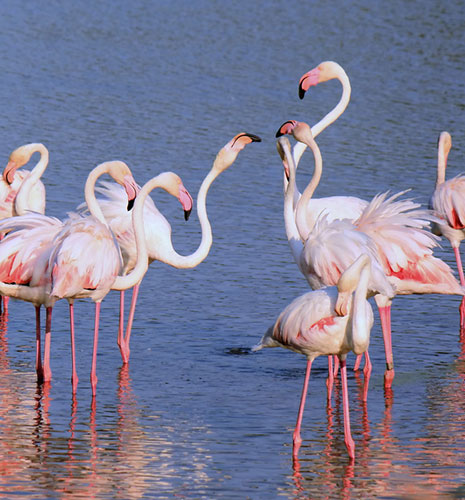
x=163, y=86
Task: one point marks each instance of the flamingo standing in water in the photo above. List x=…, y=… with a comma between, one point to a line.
x=331, y=321
x=397, y=229
x=40, y=272
x=158, y=229
x=448, y=203
x=22, y=190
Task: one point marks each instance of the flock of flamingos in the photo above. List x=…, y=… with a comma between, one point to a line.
x=347, y=248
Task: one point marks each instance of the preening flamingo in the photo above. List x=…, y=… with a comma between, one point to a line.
x=448, y=203
x=22, y=190
x=404, y=247
x=158, y=229
x=330, y=321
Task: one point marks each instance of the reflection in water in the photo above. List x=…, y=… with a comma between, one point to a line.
x=95, y=452
x=384, y=464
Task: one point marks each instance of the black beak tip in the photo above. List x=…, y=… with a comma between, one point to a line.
x=255, y=138
x=279, y=133
x=301, y=92
x=130, y=204
x=187, y=214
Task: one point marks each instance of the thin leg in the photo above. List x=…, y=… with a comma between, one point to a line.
x=74, y=376
x=336, y=366
x=48, y=336
x=297, y=440
x=93, y=373
x=462, y=282
x=330, y=379
x=121, y=322
x=358, y=360
x=127, y=338
x=5, y=301
x=367, y=374
x=345, y=397
x=385, y=316
x=39, y=367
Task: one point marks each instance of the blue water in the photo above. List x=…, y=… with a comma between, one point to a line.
x=163, y=86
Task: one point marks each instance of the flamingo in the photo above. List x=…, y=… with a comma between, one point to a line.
x=22, y=190
x=158, y=229
x=335, y=206
x=403, y=246
x=42, y=271
x=331, y=321
x=448, y=205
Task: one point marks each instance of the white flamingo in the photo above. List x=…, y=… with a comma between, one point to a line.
x=158, y=229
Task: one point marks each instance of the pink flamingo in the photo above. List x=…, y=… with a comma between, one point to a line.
x=52, y=277
x=448, y=204
x=22, y=190
x=331, y=321
x=158, y=229
x=396, y=228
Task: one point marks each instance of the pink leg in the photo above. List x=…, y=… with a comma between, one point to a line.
x=5, y=301
x=74, y=376
x=48, y=335
x=462, y=282
x=330, y=379
x=345, y=397
x=135, y=293
x=367, y=375
x=297, y=440
x=358, y=360
x=121, y=322
x=93, y=373
x=336, y=366
x=385, y=316
x=39, y=367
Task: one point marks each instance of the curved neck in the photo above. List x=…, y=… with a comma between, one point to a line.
x=301, y=209
x=188, y=261
x=292, y=233
x=330, y=117
x=142, y=263
x=89, y=192
x=22, y=197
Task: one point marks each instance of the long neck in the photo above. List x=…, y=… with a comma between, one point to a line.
x=360, y=313
x=330, y=117
x=292, y=233
x=442, y=164
x=189, y=261
x=301, y=209
x=142, y=261
x=89, y=192
x=22, y=198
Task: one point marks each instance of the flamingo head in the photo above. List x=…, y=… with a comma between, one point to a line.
x=301, y=131
x=17, y=159
x=121, y=173
x=284, y=146
x=325, y=71
x=228, y=153
x=445, y=142
x=173, y=185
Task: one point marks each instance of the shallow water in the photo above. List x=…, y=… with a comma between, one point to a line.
x=163, y=86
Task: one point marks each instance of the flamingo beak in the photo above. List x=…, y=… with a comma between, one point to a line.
x=132, y=189
x=186, y=201
x=310, y=78
x=9, y=172
x=286, y=128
